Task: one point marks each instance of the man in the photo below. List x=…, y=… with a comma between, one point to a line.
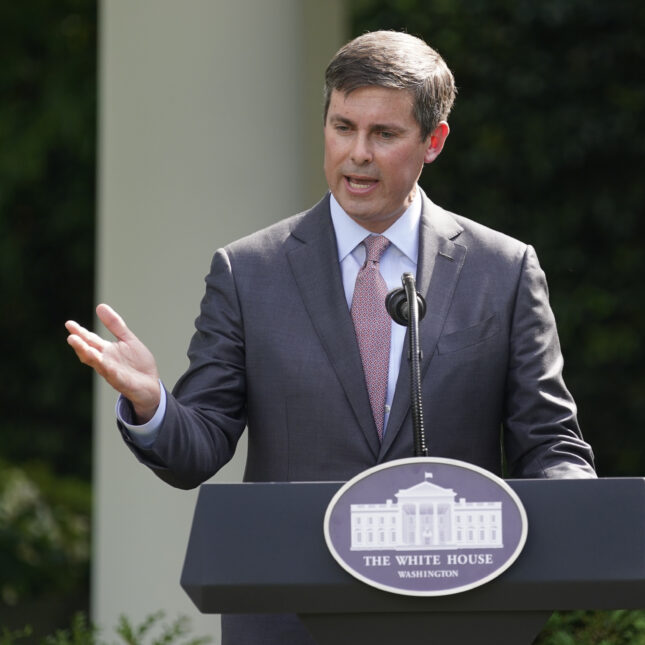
x=285, y=340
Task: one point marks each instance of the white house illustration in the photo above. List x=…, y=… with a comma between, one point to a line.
x=426, y=516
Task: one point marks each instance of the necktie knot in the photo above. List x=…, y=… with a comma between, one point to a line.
x=375, y=246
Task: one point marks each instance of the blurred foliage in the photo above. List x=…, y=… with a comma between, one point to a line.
x=594, y=628
x=547, y=145
x=151, y=631
x=44, y=534
x=47, y=187
x=169, y=634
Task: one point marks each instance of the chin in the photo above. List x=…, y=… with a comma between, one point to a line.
x=357, y=207
x=364, y=218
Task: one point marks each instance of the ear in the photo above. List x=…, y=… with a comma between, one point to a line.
x=435, y=142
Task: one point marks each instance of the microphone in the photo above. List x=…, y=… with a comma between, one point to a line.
x=396, y=303
x=406, y=307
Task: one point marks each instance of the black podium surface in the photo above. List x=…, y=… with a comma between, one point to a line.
x=259, y=548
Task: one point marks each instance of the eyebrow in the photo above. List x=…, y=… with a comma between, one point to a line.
x=374, y=128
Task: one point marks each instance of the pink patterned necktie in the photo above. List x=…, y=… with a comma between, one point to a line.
x=372, y=324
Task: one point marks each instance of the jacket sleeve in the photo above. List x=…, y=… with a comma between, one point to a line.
x=541, y=433
x=206, y=412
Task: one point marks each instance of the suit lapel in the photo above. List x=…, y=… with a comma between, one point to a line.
x=314, y=263
x=439, y=265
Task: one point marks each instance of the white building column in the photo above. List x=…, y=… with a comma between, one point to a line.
x=209, y=128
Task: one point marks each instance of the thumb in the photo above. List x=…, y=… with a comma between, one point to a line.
x=114, y=323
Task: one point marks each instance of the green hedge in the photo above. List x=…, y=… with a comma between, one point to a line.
x=44, y=545
x=152, y=631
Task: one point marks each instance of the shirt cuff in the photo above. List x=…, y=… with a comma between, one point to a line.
x=142, y=435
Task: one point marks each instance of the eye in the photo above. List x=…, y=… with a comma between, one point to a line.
x=386, y=134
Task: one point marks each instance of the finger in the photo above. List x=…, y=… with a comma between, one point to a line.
x=102, y=363
x=114, y=323
x=86, y=335
x=86, y=353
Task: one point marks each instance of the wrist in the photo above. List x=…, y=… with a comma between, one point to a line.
x=145, y=410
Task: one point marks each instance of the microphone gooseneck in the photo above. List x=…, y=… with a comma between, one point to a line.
x=407, y=307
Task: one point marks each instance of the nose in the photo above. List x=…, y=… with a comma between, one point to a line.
x=361, y=152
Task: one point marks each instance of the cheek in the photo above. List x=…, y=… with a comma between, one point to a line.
x=404, y=166
x=333, y=158
x=329, y=167
x=327, y=159
x=329, y=153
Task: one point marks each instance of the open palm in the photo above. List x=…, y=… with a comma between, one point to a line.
x=125, y=363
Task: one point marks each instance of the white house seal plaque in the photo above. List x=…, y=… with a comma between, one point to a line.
x=425, y=526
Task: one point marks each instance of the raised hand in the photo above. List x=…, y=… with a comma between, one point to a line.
x=126, y=363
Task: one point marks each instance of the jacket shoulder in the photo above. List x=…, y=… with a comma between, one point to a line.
x=487, y=248
x=488, y=238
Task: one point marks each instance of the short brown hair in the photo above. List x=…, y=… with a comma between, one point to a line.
x=396, y=60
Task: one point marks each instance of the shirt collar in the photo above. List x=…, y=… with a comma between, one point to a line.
x=404, y=233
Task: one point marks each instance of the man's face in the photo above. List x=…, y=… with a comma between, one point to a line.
x=374, y=153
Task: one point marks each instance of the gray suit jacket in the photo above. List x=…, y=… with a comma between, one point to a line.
x=275, y=349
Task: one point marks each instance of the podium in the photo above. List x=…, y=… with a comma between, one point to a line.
x=259, y=548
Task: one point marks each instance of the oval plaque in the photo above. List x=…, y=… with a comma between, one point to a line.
x=425, y=526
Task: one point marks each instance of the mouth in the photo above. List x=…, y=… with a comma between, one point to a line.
x=360, y=185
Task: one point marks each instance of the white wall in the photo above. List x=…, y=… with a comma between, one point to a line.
x=209, y=128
